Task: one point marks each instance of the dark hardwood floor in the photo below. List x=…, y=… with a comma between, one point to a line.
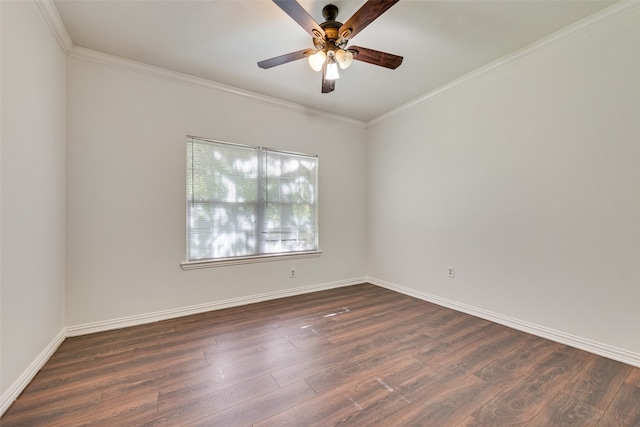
x=360, y=355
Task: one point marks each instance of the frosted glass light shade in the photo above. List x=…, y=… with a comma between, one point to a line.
x=317, y=59
x=344, y=58
x=332, y=70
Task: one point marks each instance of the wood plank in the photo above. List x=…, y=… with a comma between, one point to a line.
x=458, y=341
x=191, y=404
x=522, y=402
x=360, y=349
x=346, y=401
x=55, y=412
x=359, y=355
x=566, y=411
x=366, y=365
x=634, y=377
x=510, y=368
x=259, y=408
x=118, y=410
x=251, y=348
x=432, y=405
x=625, y=408
x=598, y=381
x=474, y=357
x=452, y=405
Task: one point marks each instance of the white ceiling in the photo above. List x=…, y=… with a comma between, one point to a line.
x=222, y=40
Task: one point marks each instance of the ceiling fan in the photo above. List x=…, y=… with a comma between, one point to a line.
x=331, y=37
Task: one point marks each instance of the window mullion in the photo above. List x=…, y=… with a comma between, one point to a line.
x=261, y=200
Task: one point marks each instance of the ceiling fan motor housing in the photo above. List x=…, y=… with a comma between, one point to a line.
x=330, y=12
x=332, y=40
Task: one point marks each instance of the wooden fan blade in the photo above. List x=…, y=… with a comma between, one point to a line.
x=376, y=57
x=364, y=16
x=283, y=59
x=298, y=14
x=327, y=85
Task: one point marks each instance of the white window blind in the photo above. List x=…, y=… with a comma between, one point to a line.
x=249, y=201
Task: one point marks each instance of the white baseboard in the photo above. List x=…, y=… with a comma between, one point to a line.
x=12, y=393
x=19, y=385
x=123, y=322
x=581, y=343
x=600, y=349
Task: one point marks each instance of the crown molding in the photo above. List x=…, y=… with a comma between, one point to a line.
x=610, y=13
x=166, y=74
x=53, y=18
x=55, y=22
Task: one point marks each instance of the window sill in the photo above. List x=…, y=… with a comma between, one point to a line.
x=209, y=263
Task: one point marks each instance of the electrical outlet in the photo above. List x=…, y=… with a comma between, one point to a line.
x=292, y=273
x=450, y=272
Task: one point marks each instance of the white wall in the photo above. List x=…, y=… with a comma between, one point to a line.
x=525, y=179
x=32, y=278
x=126, y=192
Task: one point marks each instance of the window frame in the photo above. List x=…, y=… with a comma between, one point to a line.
x=261, y=151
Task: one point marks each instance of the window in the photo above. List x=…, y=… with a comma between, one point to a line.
x=247, y=202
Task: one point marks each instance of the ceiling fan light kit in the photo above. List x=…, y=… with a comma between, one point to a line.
x=332, y=67
x=330, y=39
x=316, y=60
x=344, y=58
